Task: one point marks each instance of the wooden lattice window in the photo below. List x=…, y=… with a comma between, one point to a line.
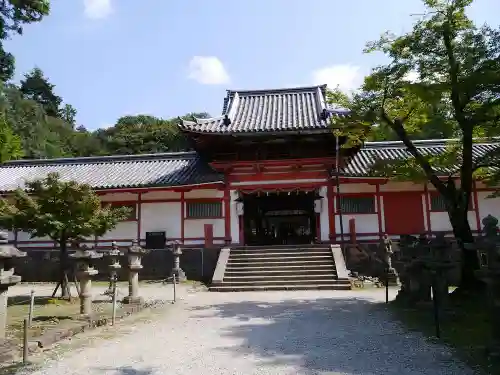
x=358, y=205
x=438, y=203
x=203, y=210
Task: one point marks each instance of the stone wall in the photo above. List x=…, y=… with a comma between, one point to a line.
x=198, y=264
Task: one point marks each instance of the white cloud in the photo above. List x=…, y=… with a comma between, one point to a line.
x=346, y=77
x=97, y=9
x=208, y=70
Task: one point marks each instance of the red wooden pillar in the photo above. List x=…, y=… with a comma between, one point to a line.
x=209, y=235
x=227, y=214
x=139, y=216
x=352, y=230
x=183, y=217
x=427, y=209
x=379, y=210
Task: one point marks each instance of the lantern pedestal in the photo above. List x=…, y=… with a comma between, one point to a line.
x=135, y=254
x=84, y=272
x=7, y=277
x=177, y=270
x=114, y=266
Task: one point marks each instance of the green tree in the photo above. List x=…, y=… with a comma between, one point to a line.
x=444, y=74
x=64, y=211
x=36, y=86
x=10, y=143
x=142, y=134
x=13, y=15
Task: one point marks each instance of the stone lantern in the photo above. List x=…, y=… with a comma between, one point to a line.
x=391, y=274
x=114, y=265
x=7, y=277
x=177, y=270
x=84, y=258
x=488, y=252
x=134, y=255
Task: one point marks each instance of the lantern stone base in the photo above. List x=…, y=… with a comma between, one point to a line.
x=179, y=275
x=128, y=300
x=393, y=279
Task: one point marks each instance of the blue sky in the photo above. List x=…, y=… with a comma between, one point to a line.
x=111, y=58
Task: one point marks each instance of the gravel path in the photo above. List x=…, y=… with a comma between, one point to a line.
x=265, y=333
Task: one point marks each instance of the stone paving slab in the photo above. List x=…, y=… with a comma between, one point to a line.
x=320, y=332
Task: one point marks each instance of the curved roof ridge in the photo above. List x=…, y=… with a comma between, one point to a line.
x=103, y=159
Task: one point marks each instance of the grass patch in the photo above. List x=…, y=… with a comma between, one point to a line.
x=47, y=313
x=464, y=326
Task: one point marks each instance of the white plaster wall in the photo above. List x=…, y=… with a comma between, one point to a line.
x=160, y=194
x=196, y=227
x=204, y=193
x=366, y=223
x=441, y=222
x=124, y=230
x=356, y=188
x=488, y=206
x=158, y=217
x=118, y=197
x=324, y=216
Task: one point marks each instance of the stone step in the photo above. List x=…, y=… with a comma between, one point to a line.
x=278, y=258
x=267, y=281
x=279, y=272
x=260, y=247
x=279, y=263
x=295, y=267
x=279, y=278
x=281, y=250
x=253, y=288
x=301, y=254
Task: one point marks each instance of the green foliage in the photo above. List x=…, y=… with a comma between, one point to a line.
x=143, y=134
x=10, y=143
x=442, y=79
x=36, y=87
x=13, y=15
x=63, y=211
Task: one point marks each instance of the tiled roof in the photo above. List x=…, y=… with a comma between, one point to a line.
x=361, y=163
x=279, y=110
x=155, y=170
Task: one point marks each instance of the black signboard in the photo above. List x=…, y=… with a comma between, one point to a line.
x=156, y=240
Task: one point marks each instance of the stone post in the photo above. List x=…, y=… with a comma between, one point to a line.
x=84, y=272
x=7, y=277
x=134, y=255
x=114, y=266
x=177, y=270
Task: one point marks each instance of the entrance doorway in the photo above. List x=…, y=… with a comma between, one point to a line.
x=272, y=218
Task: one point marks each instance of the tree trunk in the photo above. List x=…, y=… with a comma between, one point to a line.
x=63, y=276
x=470, y=262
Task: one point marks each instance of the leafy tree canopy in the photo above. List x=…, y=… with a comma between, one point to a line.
x=10, y=143
x=13, y=15
x=64, y=211
x=442, y=79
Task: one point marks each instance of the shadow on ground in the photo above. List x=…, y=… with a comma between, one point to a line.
x=126, y=370
x=351, y=336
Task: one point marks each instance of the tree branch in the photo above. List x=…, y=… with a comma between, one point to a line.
x=397, y=126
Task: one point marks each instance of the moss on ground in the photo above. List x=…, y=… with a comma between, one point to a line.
x=464, y=325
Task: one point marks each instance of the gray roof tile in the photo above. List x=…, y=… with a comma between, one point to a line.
x=168, y=169
x=362, y=162
x=278, y=110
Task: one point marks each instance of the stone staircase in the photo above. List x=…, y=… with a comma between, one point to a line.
x=305, y=267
